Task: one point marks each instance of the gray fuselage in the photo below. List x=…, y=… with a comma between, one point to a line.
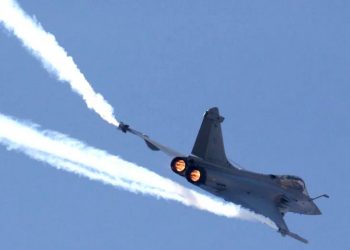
x=242, y=187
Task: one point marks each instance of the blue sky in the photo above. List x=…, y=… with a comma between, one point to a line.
x=278, y=71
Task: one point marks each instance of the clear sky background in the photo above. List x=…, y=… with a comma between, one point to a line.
x=278, y=71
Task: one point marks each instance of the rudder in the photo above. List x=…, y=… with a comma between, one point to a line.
x=209, y=144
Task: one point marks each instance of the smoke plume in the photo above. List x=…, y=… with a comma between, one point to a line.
x=71, y=155
x=55, y=59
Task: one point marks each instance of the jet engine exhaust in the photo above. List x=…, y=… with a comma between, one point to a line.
x=179, y=165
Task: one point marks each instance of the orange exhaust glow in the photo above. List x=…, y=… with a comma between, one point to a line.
x=195, y=175
x=180, y=166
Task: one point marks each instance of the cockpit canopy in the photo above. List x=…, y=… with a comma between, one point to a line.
x=293, y=182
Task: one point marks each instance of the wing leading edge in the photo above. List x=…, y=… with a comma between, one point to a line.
x=152, y=144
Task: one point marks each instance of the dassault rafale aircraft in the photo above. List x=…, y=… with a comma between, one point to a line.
x=207, y=167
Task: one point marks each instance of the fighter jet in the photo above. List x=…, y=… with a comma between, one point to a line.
x=208, y=168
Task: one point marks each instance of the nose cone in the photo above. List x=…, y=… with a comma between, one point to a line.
x=317, y=211
x=314, y=209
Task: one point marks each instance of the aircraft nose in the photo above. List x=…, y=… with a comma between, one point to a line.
x=315, y=210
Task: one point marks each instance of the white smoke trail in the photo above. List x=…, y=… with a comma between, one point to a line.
x=71, y=155
x=44, y=46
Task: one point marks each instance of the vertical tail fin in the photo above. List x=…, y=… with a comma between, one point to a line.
x=209, y=144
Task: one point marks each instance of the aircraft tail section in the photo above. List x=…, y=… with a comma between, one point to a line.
x=209, y=144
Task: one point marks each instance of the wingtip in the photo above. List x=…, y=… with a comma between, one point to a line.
x=123, y=127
